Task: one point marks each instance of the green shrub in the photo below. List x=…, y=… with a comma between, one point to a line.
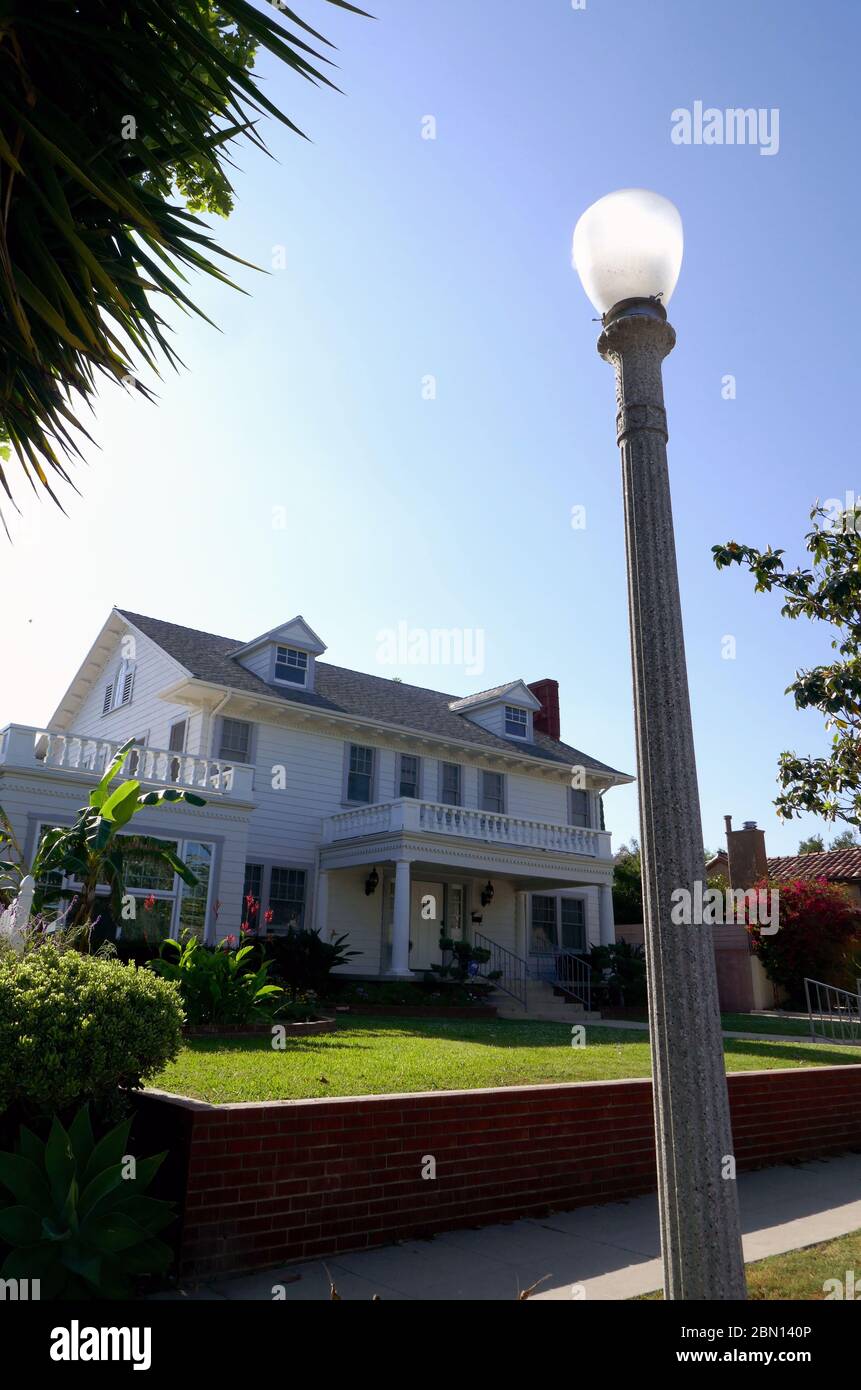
x=220, y=985
x=78, y=1220
x=303, y=961
x=75, y=1028
x=619, y=975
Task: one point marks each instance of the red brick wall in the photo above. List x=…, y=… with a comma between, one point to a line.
x=285, y=1180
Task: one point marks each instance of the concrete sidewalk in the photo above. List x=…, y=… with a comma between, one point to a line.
x=611, y=1251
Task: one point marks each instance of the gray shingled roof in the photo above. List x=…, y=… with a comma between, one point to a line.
x=206, y=656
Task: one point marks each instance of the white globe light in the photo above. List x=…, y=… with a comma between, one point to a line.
x=628, y=245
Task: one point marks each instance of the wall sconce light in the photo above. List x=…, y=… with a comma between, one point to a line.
x=371, y=882
x=487, y=894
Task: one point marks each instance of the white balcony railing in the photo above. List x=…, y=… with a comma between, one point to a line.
x=462, y=822
x=22, y=746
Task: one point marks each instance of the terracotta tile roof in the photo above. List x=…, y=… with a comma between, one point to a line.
x=840, y=864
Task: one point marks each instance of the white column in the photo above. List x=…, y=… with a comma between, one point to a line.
x=321, y=908
x=401, y=921
x=605, y=915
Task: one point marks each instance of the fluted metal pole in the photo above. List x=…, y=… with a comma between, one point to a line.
x=700, y=1232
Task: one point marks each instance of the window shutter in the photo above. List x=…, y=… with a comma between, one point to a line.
x=109, y=697
x=128, y=682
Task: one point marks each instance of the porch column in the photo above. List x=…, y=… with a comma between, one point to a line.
x=401, y=921
x=605, y=915
x=520, y=925
x=321, y=907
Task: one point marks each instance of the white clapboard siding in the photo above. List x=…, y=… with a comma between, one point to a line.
x=146, y=716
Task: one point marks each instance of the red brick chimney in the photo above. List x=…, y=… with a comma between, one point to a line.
x=546, y=720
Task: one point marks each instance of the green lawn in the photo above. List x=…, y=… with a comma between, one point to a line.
x=755, y=1023
x=802, y=1273
x=371, y=1056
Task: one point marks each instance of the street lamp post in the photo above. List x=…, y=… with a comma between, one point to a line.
x=628, y=253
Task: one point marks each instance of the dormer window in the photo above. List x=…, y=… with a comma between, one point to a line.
x=291, y=665
x=516, y=722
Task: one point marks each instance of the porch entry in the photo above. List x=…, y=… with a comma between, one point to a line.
x=434, y=907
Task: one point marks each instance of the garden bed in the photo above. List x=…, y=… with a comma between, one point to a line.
x=419, y=1009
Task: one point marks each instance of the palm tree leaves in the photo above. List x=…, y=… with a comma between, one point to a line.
x=106, y=108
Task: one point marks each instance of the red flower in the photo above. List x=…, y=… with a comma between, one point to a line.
x=149, y=903
x=252, y=904
x=230, y=940
x=268, y=915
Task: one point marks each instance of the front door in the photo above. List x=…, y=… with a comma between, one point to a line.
x=426, y=916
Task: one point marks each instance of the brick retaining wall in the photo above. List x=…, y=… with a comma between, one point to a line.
x=266, y=1183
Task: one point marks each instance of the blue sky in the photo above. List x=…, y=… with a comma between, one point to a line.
x=296, y=467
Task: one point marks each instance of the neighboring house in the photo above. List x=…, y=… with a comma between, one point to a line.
x=350, y=802
x=841, y=866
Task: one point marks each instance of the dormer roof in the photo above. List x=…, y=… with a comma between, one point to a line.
x=294, y=633
x=515, y=692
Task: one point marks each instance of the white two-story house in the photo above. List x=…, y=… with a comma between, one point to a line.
x=334, y=799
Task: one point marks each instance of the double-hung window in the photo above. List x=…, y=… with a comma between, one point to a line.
x=408, y=775
x=291, y=665
x=360, y=774
x=578, y=808
x=573, y=913
x=542, y=936
x=516, y=722
x=449, y=789
x=235, y=740
x=287, y=898
x=493, y=792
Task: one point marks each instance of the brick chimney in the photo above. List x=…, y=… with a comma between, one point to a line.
x=746, y=854
x=546, y=720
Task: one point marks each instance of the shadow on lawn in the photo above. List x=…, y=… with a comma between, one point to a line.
x=503, y=1033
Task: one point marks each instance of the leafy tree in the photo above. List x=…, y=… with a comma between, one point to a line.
x=828, y=592
x=814, y=845
x=107, y=105
x=845, y=840
x=628, y=886
x=93, y=850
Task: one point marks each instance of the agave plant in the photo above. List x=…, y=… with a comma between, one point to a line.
x=106, y=106
x=79, y=1221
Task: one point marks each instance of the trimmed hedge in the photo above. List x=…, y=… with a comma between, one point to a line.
x=75, y=1028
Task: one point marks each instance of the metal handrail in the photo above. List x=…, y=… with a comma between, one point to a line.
x=568, y=971
x=512, y=969
x=835, y=1014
